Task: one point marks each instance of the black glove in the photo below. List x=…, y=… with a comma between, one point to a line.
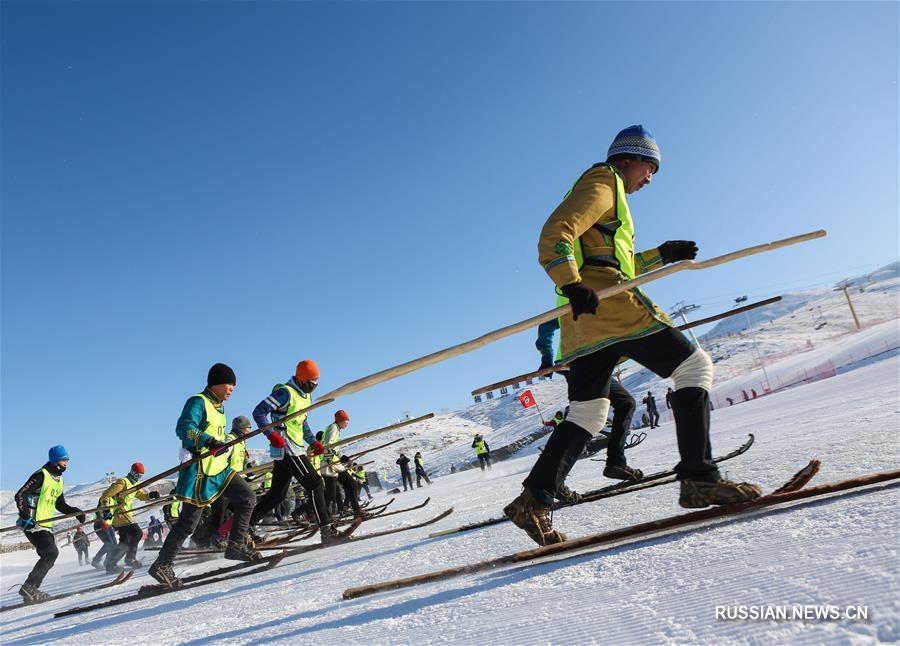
x=582, y=298
x=675, y=250
x=215, y=446
x=81, y=518
x=153, y=495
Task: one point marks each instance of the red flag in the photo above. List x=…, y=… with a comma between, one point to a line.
x=527, y=399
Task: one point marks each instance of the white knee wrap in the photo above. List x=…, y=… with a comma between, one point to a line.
x=694, y=372
x=589, y=415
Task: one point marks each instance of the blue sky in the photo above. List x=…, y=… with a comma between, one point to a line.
x=364, y=183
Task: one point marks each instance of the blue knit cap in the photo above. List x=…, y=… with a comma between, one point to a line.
x=58, y=453
x=635, y=141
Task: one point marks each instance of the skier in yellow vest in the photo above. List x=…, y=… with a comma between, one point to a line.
x=202, y=429
x=482, y=451
x=37, y=501
x=119, y=513
x=586, y=245
x=289, y=441
x=206, y=535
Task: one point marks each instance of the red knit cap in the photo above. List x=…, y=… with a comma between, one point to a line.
x=341, y=416
x=307, y=370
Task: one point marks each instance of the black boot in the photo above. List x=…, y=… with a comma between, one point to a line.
x=690, y=407
x=556, y=460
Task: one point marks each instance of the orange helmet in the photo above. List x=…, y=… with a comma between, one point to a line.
x=341, y=416
x=307, y=370
x=137, y=467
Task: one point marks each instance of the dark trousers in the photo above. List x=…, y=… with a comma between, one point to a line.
x=45, y=544
x=242, y=499
x=208, y=528
x=108, y=538
x=484, y=460
x=299, y=467
x=623, y=405
x=351, y=490
x=407, y=477
x=154, y=534
x=420, y=473
x=82, y=553
x=590, y=378
x=365, y=485
x=654, y=416
x=129, y=538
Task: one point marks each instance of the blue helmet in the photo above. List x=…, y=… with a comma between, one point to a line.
x=57, y=453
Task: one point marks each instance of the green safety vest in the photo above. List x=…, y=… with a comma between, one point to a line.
x=175, y=509
x=480, y=447
x=315, y=461
x=267, y=481
x=238, y=454
x=361, y=474
x=623, y=237
x=123, y=503
x=46, y=504
x=215, y=426
x=298, y=402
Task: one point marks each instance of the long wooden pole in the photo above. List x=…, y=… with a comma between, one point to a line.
x=534, y=321
x=462, y=348
x=557, y=368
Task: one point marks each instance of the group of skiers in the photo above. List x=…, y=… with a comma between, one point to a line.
x=207, y=484
x=587, y=244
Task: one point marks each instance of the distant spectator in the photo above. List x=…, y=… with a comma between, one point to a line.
x=651, y=409
x=669, y=394
x=482, y=451
x=81, y=542
x=730, y=401
x=403, y=463
x=753, y=392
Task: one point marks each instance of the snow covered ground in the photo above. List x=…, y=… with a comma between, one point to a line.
x=841, y=551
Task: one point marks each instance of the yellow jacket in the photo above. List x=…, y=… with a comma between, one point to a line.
x=628, y=315
x=122, y=511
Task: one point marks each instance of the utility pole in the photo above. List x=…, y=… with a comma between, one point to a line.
x=842, y=286
x=737, y=302
x=681, y=309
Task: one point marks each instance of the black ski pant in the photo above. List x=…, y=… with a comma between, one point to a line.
x=654, y=416
x=484, y=459
x=242, y=498
x=210, y=524
x=590, y=378
x=82, y=553
x=420, y=473
x=407, y=477
x=623, y=406
x=129, y=538
x=299, y=467
x=351, y=490
x=45, y=544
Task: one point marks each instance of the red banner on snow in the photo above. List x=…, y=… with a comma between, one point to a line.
x=527, y=399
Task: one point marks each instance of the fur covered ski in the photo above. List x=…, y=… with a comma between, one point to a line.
x=627, y=486
x=207, y=578
x=792, y=491
x=122, y=577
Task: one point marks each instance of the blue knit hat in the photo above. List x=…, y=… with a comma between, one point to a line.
x=57, y=453
x=635, y=141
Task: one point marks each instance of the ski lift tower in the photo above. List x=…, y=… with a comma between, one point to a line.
x=737, y=302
